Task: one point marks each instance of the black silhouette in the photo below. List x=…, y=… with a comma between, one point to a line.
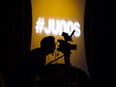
x=65, y=47
x=32, y=65
x=32, y=71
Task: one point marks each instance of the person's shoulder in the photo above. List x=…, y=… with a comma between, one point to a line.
x=35, y=50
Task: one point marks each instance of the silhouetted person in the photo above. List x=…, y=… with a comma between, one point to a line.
x=37, y=57
x=31, y=67
x=32, y=71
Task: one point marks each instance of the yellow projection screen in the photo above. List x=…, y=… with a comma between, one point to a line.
x=51, y=18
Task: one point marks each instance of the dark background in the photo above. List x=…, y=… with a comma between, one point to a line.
x=99, y=37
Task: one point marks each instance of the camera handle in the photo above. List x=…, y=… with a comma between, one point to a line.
x=66, y=59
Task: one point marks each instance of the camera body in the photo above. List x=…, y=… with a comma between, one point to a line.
x=65, y=46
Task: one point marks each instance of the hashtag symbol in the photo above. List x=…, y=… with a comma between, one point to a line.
x=39, y=25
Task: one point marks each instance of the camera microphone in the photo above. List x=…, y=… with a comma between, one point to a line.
x=72, y=33
x=70, y=37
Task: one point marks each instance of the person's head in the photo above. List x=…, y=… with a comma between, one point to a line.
x=48, y=44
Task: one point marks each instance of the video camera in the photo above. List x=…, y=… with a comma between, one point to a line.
x=64, y=45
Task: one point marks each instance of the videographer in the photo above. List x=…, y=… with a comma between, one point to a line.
x=31, y=67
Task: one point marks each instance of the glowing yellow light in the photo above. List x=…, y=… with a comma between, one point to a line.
x=57, y=16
